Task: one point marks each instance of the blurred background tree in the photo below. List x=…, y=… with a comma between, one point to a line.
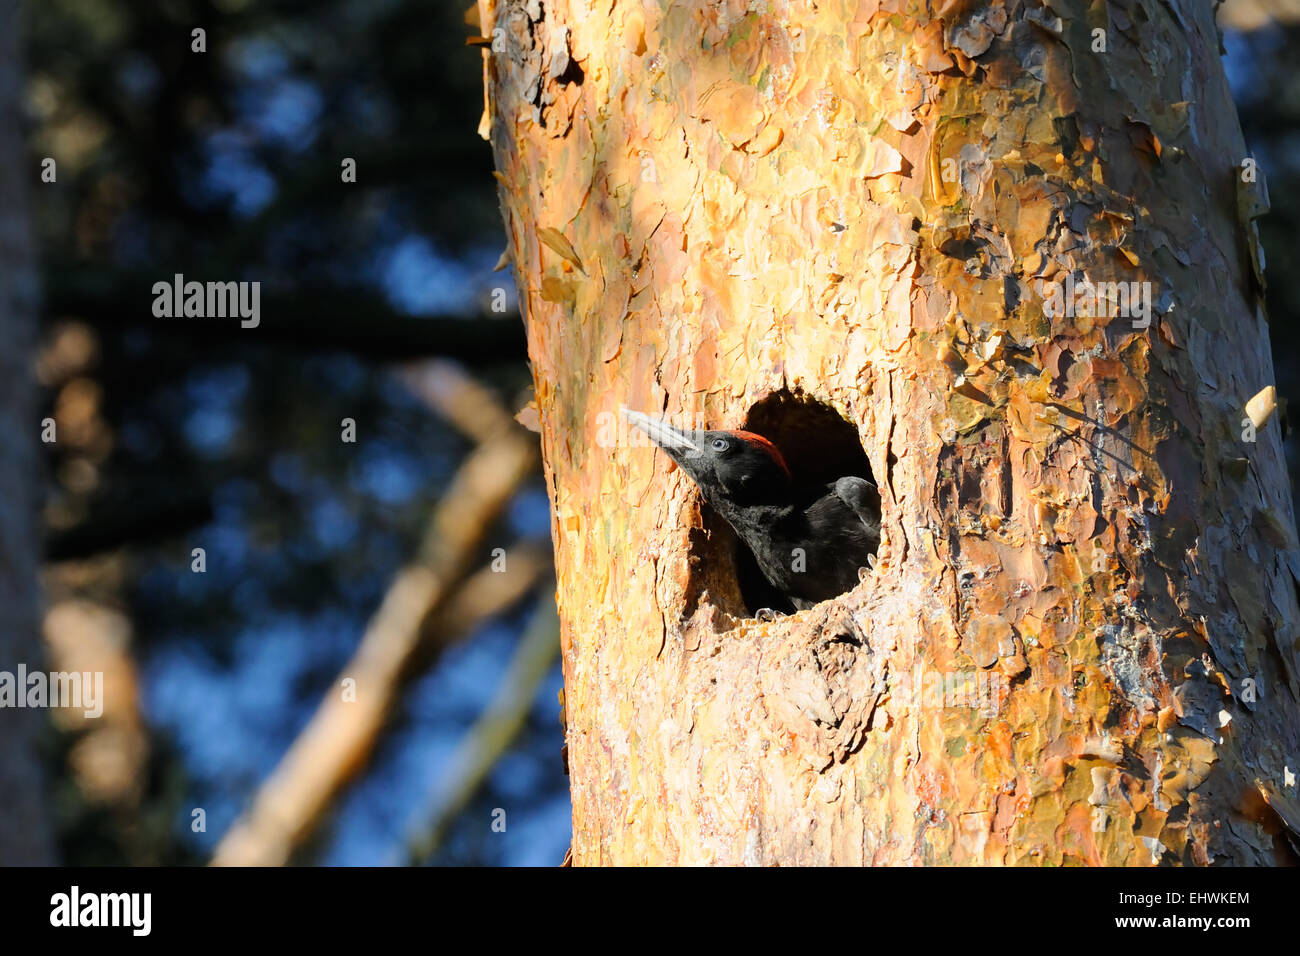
x=25, y=834
x=196, y=433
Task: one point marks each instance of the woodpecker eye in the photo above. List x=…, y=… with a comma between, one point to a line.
x=720, y=444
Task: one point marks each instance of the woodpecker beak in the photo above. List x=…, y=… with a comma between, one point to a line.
x=678, y=444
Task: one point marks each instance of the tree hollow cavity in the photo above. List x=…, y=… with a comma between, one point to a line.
x=819, y=446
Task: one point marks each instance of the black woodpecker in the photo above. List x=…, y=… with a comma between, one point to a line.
x=808, y=543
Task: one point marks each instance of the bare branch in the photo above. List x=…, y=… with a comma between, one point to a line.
x=1252, y=14
x=339, y=737
x=466, y=404
x=495, y=730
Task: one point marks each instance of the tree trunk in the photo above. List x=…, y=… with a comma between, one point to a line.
x=24, y=831
x=1080, y=642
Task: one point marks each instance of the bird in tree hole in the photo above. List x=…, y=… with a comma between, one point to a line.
x=810, y=543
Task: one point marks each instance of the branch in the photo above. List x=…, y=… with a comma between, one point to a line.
x=469, y=406
x=337, y=741
x=1249, y=15
x=166, y=512
x=482, y=597
x=495, y=730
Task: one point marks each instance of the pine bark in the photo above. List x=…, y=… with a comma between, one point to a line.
x=1080, y=642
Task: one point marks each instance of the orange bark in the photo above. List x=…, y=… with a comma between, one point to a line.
x=1079, y=645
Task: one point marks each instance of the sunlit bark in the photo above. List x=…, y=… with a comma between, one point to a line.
x=1080, y=643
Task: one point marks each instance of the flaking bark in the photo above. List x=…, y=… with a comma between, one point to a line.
x=1080, y=645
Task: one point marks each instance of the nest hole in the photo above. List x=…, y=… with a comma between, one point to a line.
x=819, y=446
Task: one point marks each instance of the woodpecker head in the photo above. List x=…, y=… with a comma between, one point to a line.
x=738, y=466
